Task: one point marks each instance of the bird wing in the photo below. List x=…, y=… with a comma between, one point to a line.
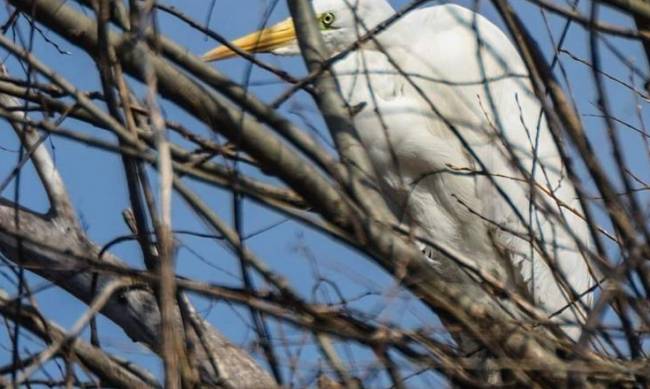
x=465, y=69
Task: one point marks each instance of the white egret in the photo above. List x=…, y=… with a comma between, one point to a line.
x=455, y=134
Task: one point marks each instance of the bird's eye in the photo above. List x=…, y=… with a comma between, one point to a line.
x=326, y=20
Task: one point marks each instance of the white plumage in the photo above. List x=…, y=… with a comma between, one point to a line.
x=442, y=96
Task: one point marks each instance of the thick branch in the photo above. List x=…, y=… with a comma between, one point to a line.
x=135, y=311
x=105, y=366
x=336, y=115
x=49, y=176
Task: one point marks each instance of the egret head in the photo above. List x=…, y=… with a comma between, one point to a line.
x=341, y=22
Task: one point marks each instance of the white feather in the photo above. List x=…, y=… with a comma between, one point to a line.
x=466, y=68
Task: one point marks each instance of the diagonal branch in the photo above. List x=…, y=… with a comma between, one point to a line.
x=105, y=366
x=135, y=311
x=52, y=182
x=337, y=117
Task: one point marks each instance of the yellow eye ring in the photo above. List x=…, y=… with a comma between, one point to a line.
x=327, y=19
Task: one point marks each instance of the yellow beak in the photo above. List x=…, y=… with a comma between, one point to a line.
x=262, y=41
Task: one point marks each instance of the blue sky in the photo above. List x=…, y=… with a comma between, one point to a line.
x=96, y=181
